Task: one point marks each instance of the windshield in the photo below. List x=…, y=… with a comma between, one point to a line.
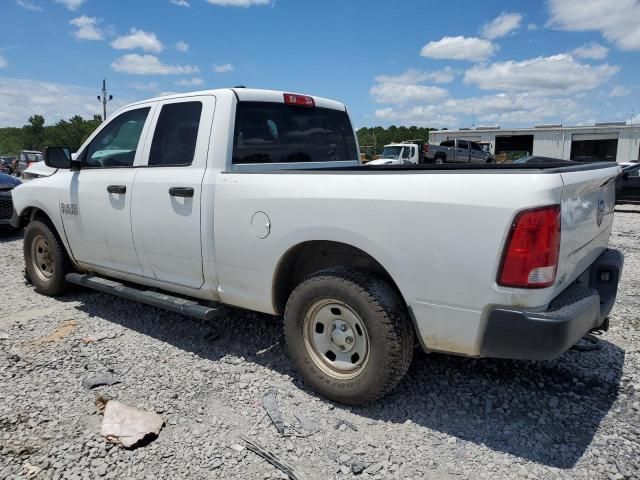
x=268, y=132
x=391, y=152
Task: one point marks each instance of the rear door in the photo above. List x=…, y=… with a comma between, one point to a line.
x=166, y=210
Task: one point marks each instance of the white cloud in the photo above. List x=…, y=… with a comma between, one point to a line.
x=87, y=28
x=22, y=98
x=182, y=46
x=190, y=82
x=29, y=5
x=618, y=21
x=399, y=93
x=501, y=109
x=619, y=91
x=419, y=116
x=554, y=74
x=145, y=87
x=532, y=27
x=238, y=3
x=459, y=48
x=634, y=120
x=71, y=4
x=180, y=3
x=3, y=62
x=502, y=25
x=226, y=68
x=592, y=51
x=135, y=64
x=413, y=76
x=146, y=41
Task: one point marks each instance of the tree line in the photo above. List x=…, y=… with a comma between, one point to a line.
x=35, y=135
x=73, y=132
x=373, y=139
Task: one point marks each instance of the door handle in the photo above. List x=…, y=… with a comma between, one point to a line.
x=117, y=189
x=181, y=191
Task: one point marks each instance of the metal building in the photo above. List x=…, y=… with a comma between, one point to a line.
x=612, y=141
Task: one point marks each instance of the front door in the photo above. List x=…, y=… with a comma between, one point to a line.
x=462, y=151
x=96, y=205
x=166, y=200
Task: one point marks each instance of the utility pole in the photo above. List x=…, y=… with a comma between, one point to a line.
x=104, y=99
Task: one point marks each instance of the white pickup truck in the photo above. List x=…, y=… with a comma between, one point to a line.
x=257, y=199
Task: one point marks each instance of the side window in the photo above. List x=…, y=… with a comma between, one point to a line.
x=413, y=151
x=463, y=144
x=475, y=146
x=447, y=143
x=174, y=141
x=406, y=152
x=116, y=144
x=635, y=172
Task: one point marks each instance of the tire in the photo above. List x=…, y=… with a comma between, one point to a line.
x=45, y=259
x=374, y=313
x=438, y=160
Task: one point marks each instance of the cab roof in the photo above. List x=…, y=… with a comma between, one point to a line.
x=251, y=95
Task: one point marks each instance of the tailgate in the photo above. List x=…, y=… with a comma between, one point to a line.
x=588, y=201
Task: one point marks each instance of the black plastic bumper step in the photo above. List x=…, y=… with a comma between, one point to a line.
x=190, y=308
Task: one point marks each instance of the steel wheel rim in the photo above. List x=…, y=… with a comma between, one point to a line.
x=336, y=339
x=41, y=258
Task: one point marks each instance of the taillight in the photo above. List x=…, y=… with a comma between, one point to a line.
x=530, y=259
x=300, y=100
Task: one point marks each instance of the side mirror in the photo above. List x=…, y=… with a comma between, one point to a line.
x=57, y=157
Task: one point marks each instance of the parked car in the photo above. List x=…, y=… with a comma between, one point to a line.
x=7, y=184
x=458, y=150
x=25, y=159
x=6, y=165
x=404, y=153
x=250, y=203
x=628, y=184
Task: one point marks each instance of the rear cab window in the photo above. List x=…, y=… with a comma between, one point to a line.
x=269, y=132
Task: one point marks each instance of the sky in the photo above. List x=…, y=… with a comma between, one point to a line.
x=459, y=63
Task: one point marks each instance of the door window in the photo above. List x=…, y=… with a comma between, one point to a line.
x=174, y=141
x=406, y=152
x=463, y=144
x=116, y=144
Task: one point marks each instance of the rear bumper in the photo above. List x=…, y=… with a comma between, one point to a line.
x=584, y=306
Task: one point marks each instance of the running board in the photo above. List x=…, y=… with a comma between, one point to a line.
x=190, y=308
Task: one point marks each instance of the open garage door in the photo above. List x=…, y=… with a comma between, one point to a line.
x=512, y=147
x=601, y=147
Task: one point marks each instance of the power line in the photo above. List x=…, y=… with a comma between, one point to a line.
x=104, y=98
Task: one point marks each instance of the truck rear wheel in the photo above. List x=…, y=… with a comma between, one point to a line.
x=46, y=260
x=348, y=334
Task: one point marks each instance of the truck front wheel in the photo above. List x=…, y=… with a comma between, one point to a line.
x=45, y=259
x=348, y=334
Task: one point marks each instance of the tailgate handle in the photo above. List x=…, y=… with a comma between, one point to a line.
x=181, y=191
x=117, y=189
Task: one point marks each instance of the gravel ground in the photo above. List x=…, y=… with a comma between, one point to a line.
x=451, y=418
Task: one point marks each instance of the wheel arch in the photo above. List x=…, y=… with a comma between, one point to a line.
x=308, y=257
x=33, y=212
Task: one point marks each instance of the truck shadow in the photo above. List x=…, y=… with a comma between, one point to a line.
x=546, y=412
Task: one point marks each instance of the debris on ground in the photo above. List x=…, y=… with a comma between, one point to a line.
x=99, y=380
x=346, y=423
x=271, y=458
x=270, y=404
x=127, y=426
